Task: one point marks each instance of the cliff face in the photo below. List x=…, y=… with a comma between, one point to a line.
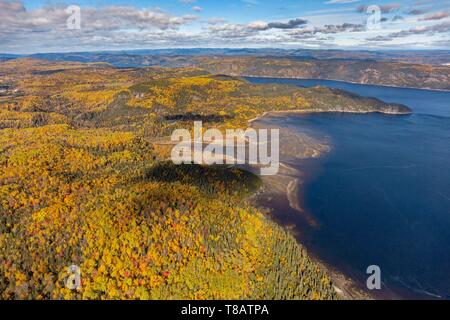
x=364, y=72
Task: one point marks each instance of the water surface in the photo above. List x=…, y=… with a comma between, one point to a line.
x=382, y=195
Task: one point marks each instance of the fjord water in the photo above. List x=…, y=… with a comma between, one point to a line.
x=382, y=195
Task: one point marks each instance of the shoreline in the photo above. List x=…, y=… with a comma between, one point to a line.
x=281, y=195
x=286, y=189
x=281, y=200
x=350, y=82
x=312, y=111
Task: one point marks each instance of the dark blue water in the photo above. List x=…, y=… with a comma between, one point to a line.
x=382, y=194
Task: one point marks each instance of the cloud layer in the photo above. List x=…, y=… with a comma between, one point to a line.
x=126, y=27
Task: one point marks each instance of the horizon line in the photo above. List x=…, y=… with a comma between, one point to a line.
x=220, y=48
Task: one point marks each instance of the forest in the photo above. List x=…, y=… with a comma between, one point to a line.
x=85, y=180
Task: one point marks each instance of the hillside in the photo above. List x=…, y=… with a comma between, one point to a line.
x=357, y=71
x=149, y=99
x=84, y=181
x=415, y=69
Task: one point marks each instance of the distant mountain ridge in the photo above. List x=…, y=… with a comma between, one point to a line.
x=435, y=57
x=394, y=74
x=414, y=69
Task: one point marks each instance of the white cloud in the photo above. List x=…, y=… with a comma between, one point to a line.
x=214, y=21
x=124, y=27
x=258, y=25
x=341, y=1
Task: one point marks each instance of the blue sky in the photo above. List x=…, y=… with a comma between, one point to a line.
x=41, y=26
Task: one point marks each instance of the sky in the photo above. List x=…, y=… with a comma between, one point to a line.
x=28, y=26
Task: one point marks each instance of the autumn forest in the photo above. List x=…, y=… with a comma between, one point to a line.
x=85, y=181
